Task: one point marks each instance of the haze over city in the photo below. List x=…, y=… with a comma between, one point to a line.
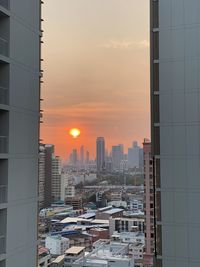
x=97, y=77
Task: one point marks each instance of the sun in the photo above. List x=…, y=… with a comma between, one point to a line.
x=74, y=132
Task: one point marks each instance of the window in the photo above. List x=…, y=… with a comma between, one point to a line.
x=156, y=113
x=155, y=45
x=155, y=77
x=156, y=140
x=155, y=10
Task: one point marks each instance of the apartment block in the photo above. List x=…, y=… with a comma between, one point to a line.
x=20, y=33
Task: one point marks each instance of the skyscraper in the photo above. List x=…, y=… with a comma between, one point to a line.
x=49, y=152
x=117, y=156
x=19, y=128
x=82, y=155
x=87, y=157
x=56, y=179
x=100, y=154
x=134, y=156
x=148, y=204
x=175, y=90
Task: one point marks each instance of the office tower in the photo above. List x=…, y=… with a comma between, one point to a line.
x=74, y=157
x=148, y=205
x=175, y=90
x=100, y=154
x=134, y=156
x=82, y=155
x=19, y=128
x=49, y=152
x=56, y=179
x=117, y=156
x=87, y=157
x=41, y=186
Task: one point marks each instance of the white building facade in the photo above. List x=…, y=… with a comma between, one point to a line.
x=57, y=244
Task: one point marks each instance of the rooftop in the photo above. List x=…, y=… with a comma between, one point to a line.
x=74, y=250
x=59, y=259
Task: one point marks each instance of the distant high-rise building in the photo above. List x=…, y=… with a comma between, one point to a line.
x=41, y=184
x=20, y=31
x=117, y=156
x=82, y=155
x=87, y=157
x=49, y=151
x=148, y=205
x=56, y=179
x=134, y=156
x=74, y=157
x=100, y=154
x=175, y=102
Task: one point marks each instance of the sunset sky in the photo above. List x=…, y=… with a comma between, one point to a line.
x=96, y=72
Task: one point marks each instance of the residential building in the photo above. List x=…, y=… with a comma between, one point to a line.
x=41, y=186
x=123, y=224
x=20, y=31
x=72, y=254
x=56, y=244
x=56, y=178
x=49, y=152
x=44, y=257
x=175, y=116
x=148, y=204
x=100, y=154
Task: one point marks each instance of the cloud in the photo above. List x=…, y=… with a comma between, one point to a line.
x=125, y=44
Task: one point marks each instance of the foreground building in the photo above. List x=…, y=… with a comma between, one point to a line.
x=175, y=89
x=19, y=119
x=148, y=204
x=106, y=254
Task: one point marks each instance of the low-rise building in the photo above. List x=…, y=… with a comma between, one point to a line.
x=58, y=262
x=107, y=212
x=72, y=254
x=124, y=224
x=44, y=257
x=57, y=244
x=106, y=253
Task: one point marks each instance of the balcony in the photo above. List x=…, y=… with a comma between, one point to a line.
x=3, y=47
x=2, y=244
x=3, y=95
x=3, y=145
x=4, y=3
x=3, y=194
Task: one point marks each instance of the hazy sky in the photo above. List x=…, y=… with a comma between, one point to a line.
x=96, y=75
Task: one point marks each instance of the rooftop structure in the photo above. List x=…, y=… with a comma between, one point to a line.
x=106, y=253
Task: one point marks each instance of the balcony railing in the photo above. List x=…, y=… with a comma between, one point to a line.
x=3, y=47
x=3, y=144
x=3, y=194
x=3, y=95
x=4, y=3
x=2, y=244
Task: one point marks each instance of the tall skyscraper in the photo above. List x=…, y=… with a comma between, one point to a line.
x=19, y=128
x=49, y=152
x=117, y=156
x=148, y=205
x=100, y=154
x=87, y=157
x=56, y=179
x=82, y=155
x=175, y=90
x=74, y=157
x=41, y=183
x=134, y=156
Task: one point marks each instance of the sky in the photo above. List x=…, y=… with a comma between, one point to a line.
x=96, y=73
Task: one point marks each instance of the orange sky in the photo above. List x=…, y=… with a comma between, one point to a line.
x=96, y=72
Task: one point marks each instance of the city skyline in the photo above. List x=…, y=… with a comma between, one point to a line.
x=102, y=87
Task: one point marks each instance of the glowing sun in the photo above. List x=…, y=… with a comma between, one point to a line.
x=74, y=132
